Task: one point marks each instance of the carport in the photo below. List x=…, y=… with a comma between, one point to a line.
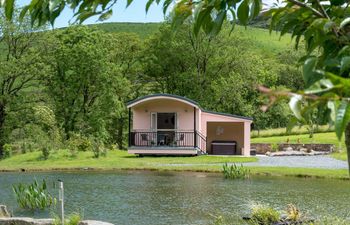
x=226, y=134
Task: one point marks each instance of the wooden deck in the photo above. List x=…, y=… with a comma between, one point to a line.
x=164, y=150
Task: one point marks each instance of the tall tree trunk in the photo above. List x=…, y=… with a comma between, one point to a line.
x=347, y=143
x=2, y=128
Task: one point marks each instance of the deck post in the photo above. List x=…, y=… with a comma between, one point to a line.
x=194, y=128
x=129, y=141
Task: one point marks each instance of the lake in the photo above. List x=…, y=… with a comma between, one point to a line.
x=139, y=197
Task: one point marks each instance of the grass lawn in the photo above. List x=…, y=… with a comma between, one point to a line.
x=61, y=160
x=322, y=138
x=295, y=131
x=114, y=160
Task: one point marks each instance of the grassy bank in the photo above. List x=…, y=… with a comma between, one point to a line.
x=321, y=138
x=120, y=160
x=114, y=160
x=283, y=131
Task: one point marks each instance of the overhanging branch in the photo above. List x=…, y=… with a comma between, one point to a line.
x=304, y=5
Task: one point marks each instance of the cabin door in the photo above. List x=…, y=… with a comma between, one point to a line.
x=166, y=127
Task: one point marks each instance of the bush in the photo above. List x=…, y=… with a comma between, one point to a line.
x=264, y=215
x=33, y=196
x=104, y=152
x=274, y=147
x=72, y=219
x=79, y=143
x=23, y=148
x=45, y=152
x=293, y=213
x=235, y=172
x=96, y=149
x=7, y=151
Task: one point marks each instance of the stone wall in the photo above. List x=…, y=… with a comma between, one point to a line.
x=262, y=148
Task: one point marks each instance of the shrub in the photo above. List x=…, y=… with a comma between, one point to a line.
x=96, y=149
x=73, y=153
x=45, y=152
x=265, y=215
x=104, y=152
x=293, y=213
x=33, y=196
x=274, y=147
x=7, y=151
x=23, y=148
x=79, y=143
x=235, y=172
x=72, y=219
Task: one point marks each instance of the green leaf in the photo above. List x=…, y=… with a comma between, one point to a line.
x=331, y=107
x=310, y=74
x=23, y=12
x=295, y=105
x=243, y=12
x=128, y=3
x=106, y=15
x=148, y=5
x=218, y=22
x=342, y=118
x=85, y=15
x=201, y=16
x=345, y=22
x=255, y=8
x=344, y=64
x=166, y=5
x=9, y=5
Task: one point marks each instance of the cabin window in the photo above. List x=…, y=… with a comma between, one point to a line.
x=153, y=121
x=166, y=121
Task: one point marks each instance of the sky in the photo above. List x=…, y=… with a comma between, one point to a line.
x=134, y=13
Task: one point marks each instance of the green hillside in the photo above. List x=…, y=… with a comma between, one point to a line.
x=265, y=41
x=142, y=29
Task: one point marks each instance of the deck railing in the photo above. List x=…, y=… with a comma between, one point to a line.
x=190, y=139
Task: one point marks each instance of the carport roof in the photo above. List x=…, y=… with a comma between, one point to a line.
x=134, y=102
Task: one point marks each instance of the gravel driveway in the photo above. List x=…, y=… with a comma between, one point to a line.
x=324, y=162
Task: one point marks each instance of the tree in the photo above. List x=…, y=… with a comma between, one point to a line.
x=84, y=84
x=21, y=69
x=125, y=53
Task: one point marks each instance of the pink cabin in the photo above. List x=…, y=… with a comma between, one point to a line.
x=164, y=124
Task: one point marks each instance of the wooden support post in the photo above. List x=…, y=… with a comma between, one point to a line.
x=194, y=127
x=129, y=141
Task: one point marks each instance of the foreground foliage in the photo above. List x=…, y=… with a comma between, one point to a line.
x=33, y=196
x=265, y=215
x=235, y=172
x=71, y=219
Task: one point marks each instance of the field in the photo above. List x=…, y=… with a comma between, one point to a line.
x=264, y=42
x=143, y=30
x=294, y=131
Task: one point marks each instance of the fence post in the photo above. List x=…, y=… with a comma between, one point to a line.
x=61, y=199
